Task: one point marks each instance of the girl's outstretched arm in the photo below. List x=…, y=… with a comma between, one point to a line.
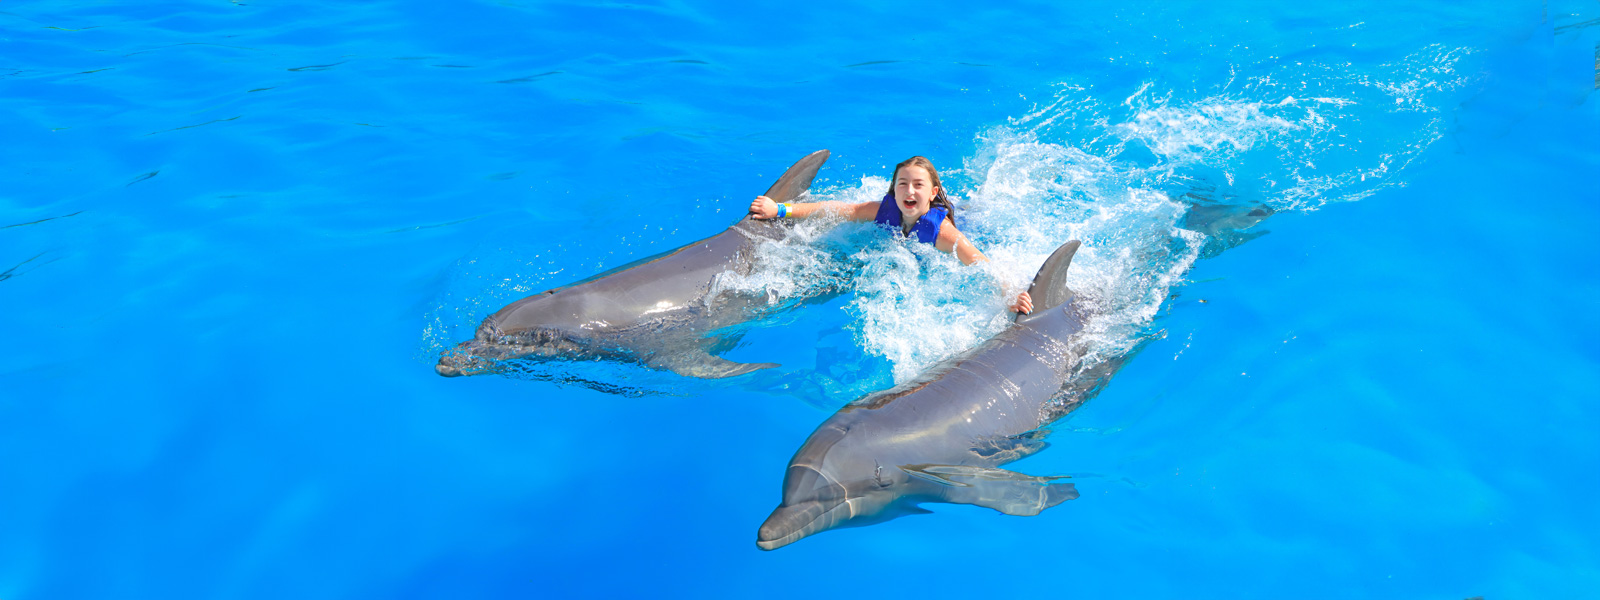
x=764, y=208
x=952, y=240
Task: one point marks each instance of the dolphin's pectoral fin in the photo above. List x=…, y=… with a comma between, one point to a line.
x=1011, y=448
x=695, y=362
x=1009, y=492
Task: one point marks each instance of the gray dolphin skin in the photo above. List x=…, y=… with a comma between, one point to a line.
x=656, y=312
x=943, y=436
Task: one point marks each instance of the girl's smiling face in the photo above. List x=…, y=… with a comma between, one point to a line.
x=914, y=191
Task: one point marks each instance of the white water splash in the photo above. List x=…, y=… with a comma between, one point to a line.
x=1117, y=170
x=1123, y=181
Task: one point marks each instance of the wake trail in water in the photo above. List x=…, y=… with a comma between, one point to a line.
x=1149, y=181
x=1150, y=184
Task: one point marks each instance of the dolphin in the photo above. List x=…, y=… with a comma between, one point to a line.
x=657, y=311
x=943, y=436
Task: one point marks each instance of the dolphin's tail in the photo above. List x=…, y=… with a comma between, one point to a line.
x=1049, y=288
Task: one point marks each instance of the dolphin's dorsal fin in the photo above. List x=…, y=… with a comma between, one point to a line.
x=1049, y=289
x=1009, y=492
x=798, y=178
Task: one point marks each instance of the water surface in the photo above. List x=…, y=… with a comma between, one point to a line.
x=234, y=236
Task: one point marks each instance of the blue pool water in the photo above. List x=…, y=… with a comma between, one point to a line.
x=235, y=236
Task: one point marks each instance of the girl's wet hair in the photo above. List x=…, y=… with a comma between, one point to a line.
x=939, y=199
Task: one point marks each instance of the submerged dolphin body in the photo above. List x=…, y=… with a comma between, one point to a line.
x=656, y=312
x=942, y=437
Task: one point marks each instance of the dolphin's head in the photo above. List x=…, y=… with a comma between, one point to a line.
x=830, y=485
x=811, y=504
x=559, y=323
x=485, y=354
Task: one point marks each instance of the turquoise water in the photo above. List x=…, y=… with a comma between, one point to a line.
x=235, y=236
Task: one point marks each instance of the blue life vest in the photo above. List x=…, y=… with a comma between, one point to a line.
x=926, y=228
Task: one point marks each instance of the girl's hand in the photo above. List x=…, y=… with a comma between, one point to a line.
x=763, y=208
x=1024, y=304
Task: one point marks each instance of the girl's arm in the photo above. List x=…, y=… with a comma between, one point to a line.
x=764, y=208
x=952, y=240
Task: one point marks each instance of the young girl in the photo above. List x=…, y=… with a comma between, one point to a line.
x=915, y=206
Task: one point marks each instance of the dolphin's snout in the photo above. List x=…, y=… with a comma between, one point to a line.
x=458, y=362
x=789, y=524
x=768, y=536
x=446, y=369
x=780, y=529
x=469, y=358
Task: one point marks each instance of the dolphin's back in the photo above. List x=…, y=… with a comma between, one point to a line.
x=993, y=393
x=674, y=286
x=667, y=289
